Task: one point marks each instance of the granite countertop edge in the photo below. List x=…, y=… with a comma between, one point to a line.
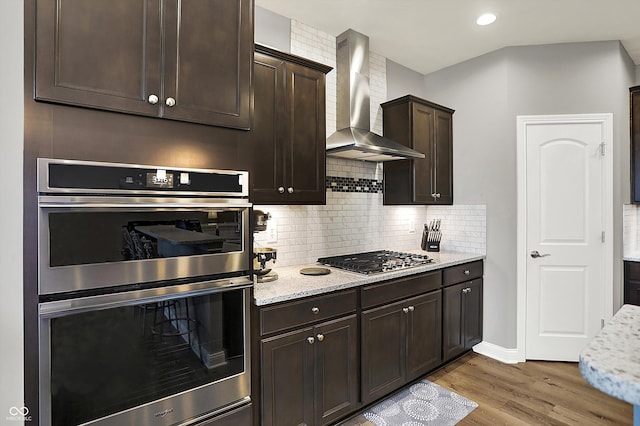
x=292, y=285
x=611, y=361
x=633, y=256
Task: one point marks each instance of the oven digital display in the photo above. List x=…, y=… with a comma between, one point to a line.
x=157, y=180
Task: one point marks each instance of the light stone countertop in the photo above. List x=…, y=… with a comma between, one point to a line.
x=291, y=284
x=611, y=361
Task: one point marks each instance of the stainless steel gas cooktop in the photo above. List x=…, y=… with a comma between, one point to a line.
x=374, y=262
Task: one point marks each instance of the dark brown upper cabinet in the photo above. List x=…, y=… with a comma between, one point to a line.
x=182, y=60
x=427, y=128
x=288, y=134
x=634, y=98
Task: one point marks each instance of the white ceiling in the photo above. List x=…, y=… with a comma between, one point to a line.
x=427, y=35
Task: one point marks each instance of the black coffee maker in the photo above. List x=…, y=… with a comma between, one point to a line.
x=263, y=257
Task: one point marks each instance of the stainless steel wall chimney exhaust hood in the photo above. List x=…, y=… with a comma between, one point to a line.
x=353, y=139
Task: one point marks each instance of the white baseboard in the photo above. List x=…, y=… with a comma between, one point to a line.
x=507, y=356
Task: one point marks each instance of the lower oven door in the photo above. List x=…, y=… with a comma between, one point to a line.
x=161, y=356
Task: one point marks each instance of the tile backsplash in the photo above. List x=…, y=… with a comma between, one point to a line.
x=630, y=237
x=357, y=221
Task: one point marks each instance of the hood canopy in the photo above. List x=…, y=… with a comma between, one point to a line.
x=354, y=139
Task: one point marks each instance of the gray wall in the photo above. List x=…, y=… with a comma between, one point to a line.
x=488, y=93
x=403, y=81
x=272, y=30
x=11, y=123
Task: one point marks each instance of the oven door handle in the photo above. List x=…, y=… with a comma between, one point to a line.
x=52, y=202
x=65, y=307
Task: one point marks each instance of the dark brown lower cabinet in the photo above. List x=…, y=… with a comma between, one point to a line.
x=462, y=318
x=310, y=376
x=400, y=342
x=632, y=283
x=319, y=359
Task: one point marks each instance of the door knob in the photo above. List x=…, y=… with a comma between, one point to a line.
x=170, y=102
x=535, y=254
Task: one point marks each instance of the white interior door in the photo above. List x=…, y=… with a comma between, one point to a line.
x=566, y=218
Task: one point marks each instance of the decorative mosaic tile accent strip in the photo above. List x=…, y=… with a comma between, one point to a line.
x=349, y=184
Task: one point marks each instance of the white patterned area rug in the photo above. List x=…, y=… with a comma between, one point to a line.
x=423, y=403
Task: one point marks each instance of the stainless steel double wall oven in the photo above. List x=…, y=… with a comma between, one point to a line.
x=144, y=288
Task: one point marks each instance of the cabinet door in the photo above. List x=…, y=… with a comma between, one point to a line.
x=336, y=369
x=384, y=346
x=443, y=158
x=267, y=172
x=635, y=143
x=424, y=334
x=208, y=53
x=287, y=379
x=423, y=141
x=453, y=341
x=99, y=53
x=472, y=313
x=305, y=140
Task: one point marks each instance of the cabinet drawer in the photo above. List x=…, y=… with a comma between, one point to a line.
x=632, y=283
x=402, y=288
x=632, y=270
x=460, y=273
x=303, y=312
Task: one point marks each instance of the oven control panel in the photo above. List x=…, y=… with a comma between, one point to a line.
x=71, y=176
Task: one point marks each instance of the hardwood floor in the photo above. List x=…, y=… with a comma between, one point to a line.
x=530, y=393
x=534, y=392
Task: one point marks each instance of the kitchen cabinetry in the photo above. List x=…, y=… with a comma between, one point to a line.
x=288, y=132
x=634, y=106
x=309, y=375
x=188, y=61
x=402, y=340
x=425, y=127
x=462, y=309
x=632, y=283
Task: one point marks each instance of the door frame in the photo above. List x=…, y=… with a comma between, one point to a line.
x=522, y=122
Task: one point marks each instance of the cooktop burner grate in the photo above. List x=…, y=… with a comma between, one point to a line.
x=376, y=261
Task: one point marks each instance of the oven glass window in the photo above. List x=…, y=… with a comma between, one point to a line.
x=90, y=237
x=106, y=361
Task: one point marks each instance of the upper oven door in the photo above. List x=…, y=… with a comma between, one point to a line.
x=97, y=242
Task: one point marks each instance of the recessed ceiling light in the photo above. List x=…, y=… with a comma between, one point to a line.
x=486, y=19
